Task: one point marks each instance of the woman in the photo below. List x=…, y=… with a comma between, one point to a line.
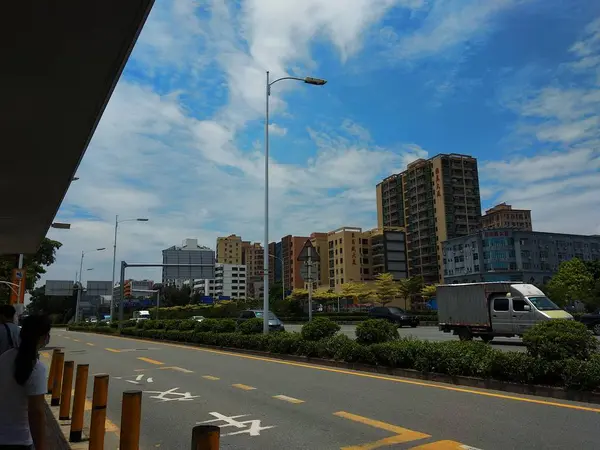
x=22, y=389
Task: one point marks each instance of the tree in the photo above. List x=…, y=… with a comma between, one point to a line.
x=409, y=288
x=572, y=282
x=360, y=292
x=428, y=291
x=386, y=288
x=35, y=264
x=60, y=309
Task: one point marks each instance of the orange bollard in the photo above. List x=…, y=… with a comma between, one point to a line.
x=51, y=371
x=81, y=379
x=131, y=416
x=58, y=373
x=206, y=437
x=98, y=421
x=65, y=394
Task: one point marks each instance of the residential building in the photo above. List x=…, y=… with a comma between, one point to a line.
x=388, y=252
x=229, y=282
x=291, y=246
x=200, y=263
x=229, y=250
x=506, y=254
x=349, y=257
x=135, y=289
x=275, y=263
x=435, y=200
x=320, y=242
x=253, y=259
x=504, y=216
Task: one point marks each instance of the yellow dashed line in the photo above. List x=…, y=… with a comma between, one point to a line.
x=151, y=361
x=76, y=340
x=210, y=377
x=114, y=350
x=285, y=398
x=90, y=344
x=243, y=387
x=444, y=445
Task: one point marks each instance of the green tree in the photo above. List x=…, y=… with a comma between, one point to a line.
x=35, y=264
x=386, y=288
x=360, y=292
x=572, y=282
x=409, y=288
x=428, y=291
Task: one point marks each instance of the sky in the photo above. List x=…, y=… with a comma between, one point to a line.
x=515, y=83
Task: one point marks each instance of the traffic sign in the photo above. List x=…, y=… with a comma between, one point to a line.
x=304, y=256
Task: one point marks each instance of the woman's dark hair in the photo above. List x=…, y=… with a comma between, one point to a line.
x=32, y=329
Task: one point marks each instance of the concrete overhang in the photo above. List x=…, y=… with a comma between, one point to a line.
x=60, y=63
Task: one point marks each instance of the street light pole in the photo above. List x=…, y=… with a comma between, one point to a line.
x=80, y=288
x=307, y=80
x=112, y=294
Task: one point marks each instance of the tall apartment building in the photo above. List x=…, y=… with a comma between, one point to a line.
x=435, y=200
x=275, y=263
x=253, y=259
x=189, y=253
x=349, y=257
x=507, y=254
x=388, y=252
x=229, y=250
x=320, y=242
x=504, y=216
x=229, y=282
x=291, y=246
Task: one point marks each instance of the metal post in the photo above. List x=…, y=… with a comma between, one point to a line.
x=112, y=294
x=122, y=295
x=79, y=289
x=266, y=241
x=157, y=302
x=310, y=283
x=282, y=280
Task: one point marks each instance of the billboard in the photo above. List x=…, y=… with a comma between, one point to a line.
x=59, y=288
x=99, y=288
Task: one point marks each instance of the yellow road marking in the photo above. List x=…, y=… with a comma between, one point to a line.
x=179, y=369
x=444, y=445
x=244, y=387
x=76, y=340
x=403, y=434
x=378, y=377
x=45, y=355
x=285, y=398
x=210, y=377
x=151, y=361
x=114, y=350
x=90, y=344
x=385, y=442
x=67, y=337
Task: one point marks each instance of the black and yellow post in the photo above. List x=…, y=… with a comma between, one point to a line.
x=57, y=382
x=81, y=379
x=65, y=395
x=98, y=421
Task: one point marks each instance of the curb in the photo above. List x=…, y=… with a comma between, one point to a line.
x=57, y=431
x=480, y=383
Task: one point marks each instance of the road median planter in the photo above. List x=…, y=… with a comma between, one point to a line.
x=471, y=364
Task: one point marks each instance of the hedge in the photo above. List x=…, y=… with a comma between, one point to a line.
x=454, y=358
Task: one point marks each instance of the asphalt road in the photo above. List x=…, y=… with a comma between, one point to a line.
x=429, y=334
x=263, y=403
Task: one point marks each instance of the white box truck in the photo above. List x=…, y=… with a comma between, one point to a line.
x=487, y=310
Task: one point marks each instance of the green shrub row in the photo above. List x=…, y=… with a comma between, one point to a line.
x=568, y=359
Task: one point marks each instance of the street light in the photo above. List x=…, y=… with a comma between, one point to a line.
x=117, y=222
x=282, y=276
x=307, y=80
x=80, y=285
x=61, y=226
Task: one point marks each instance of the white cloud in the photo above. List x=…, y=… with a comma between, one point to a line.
x=276, y=130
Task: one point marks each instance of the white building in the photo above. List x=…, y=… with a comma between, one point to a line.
x=201, y=262
x=229, y=281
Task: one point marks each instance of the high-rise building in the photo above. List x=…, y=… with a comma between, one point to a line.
x=320, y=242
x=229, y=250
x=349, y=256
x=388, y=252
x=253, y=259
x=435, y=200
x=203, y=259
x=275, y=263
x=506, y=254
x=229, y=282
x=504, y=216
x=291, y=246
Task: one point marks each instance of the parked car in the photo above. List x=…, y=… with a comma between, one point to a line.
x=394, y=315
x=274, y=323
x=592, y=321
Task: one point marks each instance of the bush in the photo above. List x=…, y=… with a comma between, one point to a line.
x=375, y=331
x=319, y=328
x=251, y=326
x=555, y=340
x=206, y=325
x=225, y=326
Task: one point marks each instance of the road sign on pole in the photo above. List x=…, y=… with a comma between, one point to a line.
x=305, y=255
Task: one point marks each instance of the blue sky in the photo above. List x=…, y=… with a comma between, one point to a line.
x=515, y=83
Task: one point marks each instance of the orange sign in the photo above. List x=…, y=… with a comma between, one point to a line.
x=18, y=279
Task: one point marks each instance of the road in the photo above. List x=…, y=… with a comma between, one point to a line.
x=429, y=334
x=263, y=403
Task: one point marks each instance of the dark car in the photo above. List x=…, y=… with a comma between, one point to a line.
x=592, y=321
x=394, y=315
x=274, y=323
